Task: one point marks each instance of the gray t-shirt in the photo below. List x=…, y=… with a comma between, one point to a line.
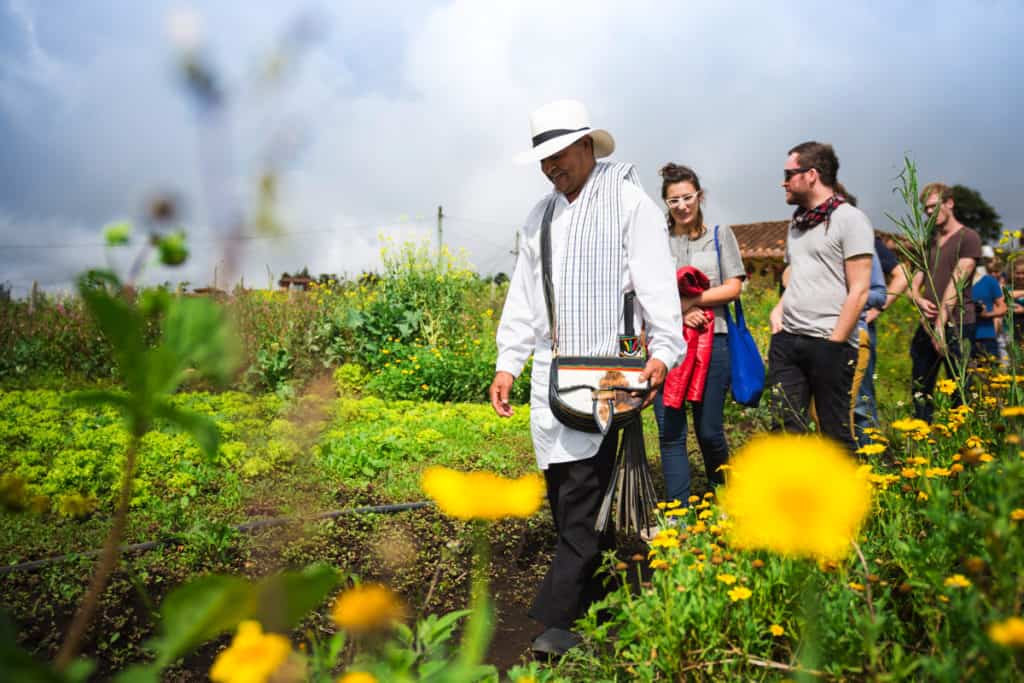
x=817, y=277
x=700, y=253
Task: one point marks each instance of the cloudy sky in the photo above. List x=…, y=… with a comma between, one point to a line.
x=373, y=114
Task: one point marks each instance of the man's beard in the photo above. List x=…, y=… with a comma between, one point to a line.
x=795, y=198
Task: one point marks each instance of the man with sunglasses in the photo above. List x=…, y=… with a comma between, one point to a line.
x=943, y=337
x=829, y=249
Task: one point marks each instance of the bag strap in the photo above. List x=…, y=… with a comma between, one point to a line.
x=549, y=287
x=739, y=307
x=545, y=266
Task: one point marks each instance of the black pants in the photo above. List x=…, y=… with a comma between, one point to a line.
x=925, y=363
x=801, y=368
x=575, y=490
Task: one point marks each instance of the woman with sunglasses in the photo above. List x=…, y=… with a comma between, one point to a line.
x=693, y=244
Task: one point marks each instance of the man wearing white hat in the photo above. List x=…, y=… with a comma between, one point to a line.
x=608, y=238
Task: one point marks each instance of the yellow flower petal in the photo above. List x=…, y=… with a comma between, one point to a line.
x=252, y=656
x=368, y=607
x=482, y=495
x=795, y=495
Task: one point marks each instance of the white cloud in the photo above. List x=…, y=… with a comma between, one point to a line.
x=403, y=107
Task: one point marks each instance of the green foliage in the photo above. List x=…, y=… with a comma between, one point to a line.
x=971, y=209
x=117, y=234
x=61, y=452
x=387, y=443
x=943, y=507
x=194, y=336
x=350, y=379
x=206, y=607
x=420, y=302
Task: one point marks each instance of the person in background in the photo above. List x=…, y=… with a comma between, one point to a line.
x=943, y=296
x=1015, y=275
x=990, y=307
x=693, y=244
x=865, y=410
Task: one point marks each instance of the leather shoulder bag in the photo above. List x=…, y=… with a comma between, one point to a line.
x=592, y=393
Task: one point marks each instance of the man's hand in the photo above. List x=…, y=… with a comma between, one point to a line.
x=775, y=318
x=872, y=315
x=928, y=308
x=695, y=318
x=654, y=373
x=939, y=340
x=501, y=387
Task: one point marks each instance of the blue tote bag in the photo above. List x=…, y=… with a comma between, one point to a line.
x=744, y=357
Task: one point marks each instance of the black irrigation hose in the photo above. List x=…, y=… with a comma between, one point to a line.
x=243, y=528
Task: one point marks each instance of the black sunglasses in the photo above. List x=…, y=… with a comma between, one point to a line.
x=790, y=172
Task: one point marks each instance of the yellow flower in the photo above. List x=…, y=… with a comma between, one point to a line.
x=946, y=386
x=357, y=677
x=958, y=581
x=659, y=564
x=727, y=579
x=526, y=679
x=660, y=541
x=936, y=472
x=871, y=449
x=973, y=442
x=909, y=424
x=704, y=514
x=482, y=495
x=699, y=528
x=795, y=495
x=739, y=593
x=1009, y=633
x=693, y=499
x=922, y=496
x=672, y=504
x=986, y=457
x=365, y=608
x=776, y=630
x=1013, y=411
x=908, y=472
x=856, y=586
x=252, y=657
x=1017, y=515
x=678, y=512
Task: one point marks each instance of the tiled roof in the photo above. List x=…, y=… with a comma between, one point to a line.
x=762, y=240
x=768, y=239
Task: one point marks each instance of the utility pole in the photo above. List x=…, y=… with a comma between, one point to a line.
x=440, y=232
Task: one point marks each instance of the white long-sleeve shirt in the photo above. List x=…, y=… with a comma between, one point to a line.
x=648, y=270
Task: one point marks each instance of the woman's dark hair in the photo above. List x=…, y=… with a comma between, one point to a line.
x=676, y=173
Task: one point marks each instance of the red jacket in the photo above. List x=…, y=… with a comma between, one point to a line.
x=686, y=381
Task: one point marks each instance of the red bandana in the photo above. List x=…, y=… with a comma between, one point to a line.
x=805, y=219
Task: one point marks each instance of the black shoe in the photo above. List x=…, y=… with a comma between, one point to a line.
x=555, y=642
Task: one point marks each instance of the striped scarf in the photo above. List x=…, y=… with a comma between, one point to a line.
x=589, y=275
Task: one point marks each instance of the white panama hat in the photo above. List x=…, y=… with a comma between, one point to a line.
x=557, y=125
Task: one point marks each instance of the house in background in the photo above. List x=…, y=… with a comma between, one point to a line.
x=763, y=249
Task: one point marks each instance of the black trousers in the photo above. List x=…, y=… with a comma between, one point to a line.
x=925, y=363
x=801, y=368
x=575, y=490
